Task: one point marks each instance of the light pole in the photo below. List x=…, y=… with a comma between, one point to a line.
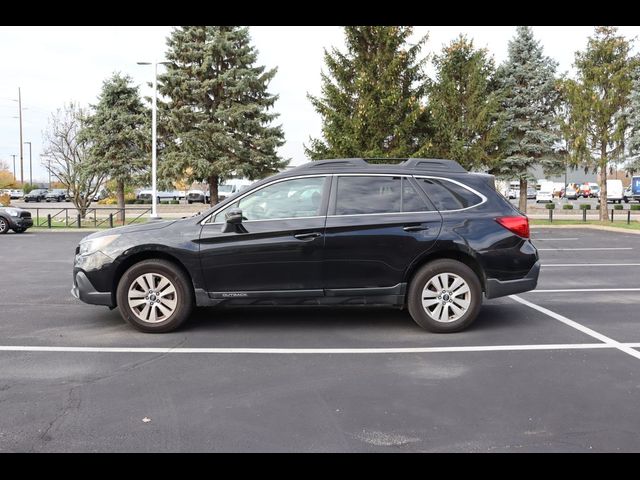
x=30, y=164
x=154, y=159
x=14, y=168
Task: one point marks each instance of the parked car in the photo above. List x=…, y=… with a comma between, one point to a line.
x=570, y=193
x=531, y=193
x=423, y=234
x=545, y=194
x=16, y=219
x=16, y=194
x=37, y=195
x=594, y=190
x=198, y=196
x=627, y=194
x=56, y=195
x=231, y=186
x=160, y=195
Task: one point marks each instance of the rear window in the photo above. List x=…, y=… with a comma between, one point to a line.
x=447, y=195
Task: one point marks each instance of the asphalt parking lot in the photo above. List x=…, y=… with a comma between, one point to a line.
x=557, y=369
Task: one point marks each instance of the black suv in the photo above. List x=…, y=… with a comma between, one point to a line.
x=14, y=218
x=37, y=195
x=423, y=234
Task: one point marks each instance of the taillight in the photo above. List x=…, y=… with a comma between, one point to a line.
x=518, y=225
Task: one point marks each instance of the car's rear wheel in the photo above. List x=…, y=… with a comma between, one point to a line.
x=4, y=225
x=444, y=296
x=19, y=230
x=155, y=296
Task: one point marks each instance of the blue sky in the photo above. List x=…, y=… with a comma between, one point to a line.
x=54, y=65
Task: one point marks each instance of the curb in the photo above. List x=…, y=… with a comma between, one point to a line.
x=592, y=227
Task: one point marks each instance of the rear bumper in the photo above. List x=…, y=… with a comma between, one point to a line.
x=498, y=288
x=84, y=290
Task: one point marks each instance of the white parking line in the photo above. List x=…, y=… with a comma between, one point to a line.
x=552, y=239
x=590, y=265
x=280, y=351
x=582, y=249
x=569, y=290
x=626, y=348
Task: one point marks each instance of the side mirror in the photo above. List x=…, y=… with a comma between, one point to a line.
x=233, y=221
x=233, y=216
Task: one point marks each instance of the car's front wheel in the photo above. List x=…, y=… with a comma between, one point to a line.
x=155, y=296
x=4, y=225
x=444, y=296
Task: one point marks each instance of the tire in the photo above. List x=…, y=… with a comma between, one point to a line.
x=19, y=230
x=174, y=307
x=189, y=202
x=4, y=225
x=427, y=279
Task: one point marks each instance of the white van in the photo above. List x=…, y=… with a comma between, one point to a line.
x=545, y=194
x=615, y=191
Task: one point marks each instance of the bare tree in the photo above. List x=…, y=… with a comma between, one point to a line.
x=66, y=156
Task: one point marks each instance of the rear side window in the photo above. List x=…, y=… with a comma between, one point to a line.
x=358, y=195
x=447, y=195
x=363, y=195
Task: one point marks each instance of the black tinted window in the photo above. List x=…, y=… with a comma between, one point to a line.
x=411, y=200
x=361, y=195
x=447, y=195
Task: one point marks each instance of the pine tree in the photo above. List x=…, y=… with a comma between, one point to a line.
x=599, y=98
x=464, y=106
x=217, y=115
x=529, y=97
x=119, y=134
x=371, y=96
x=634, y=123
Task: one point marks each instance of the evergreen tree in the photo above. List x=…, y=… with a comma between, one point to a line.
x=218, y=121
x=529, y=97
x=119, y=134
x=371, y=96
x=599, y=99
x=634, y=123
x=464, y=106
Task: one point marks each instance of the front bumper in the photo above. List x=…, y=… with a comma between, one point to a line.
x=20, y=222
x=84, y=290
x=499, y=288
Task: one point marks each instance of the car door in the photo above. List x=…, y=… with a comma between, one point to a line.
x=377, y=225
x=280, y=251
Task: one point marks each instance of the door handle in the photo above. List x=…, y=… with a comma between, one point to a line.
x=307, y=236
x=414, y=228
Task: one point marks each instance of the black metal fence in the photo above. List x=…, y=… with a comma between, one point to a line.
x=93, y=217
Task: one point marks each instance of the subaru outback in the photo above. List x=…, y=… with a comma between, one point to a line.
x=423, y=234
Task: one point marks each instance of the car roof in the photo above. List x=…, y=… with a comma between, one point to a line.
x=373, y=165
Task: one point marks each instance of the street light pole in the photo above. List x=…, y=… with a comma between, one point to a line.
x=30, y=165
x=20, y=115
x=154, y=138
x=14, y=168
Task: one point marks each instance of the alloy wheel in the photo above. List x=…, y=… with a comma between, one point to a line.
x=446, y=297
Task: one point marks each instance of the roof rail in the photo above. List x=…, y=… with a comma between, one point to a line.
x=434, y=164
x=337, y=162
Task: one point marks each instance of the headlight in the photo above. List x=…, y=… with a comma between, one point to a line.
x=93, y=245
x=12, y=211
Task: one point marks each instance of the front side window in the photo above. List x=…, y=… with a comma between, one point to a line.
x=447, y=195
x=301, y=197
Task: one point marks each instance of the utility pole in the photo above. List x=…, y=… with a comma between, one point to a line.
x=21, y=158
x=14, y=168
